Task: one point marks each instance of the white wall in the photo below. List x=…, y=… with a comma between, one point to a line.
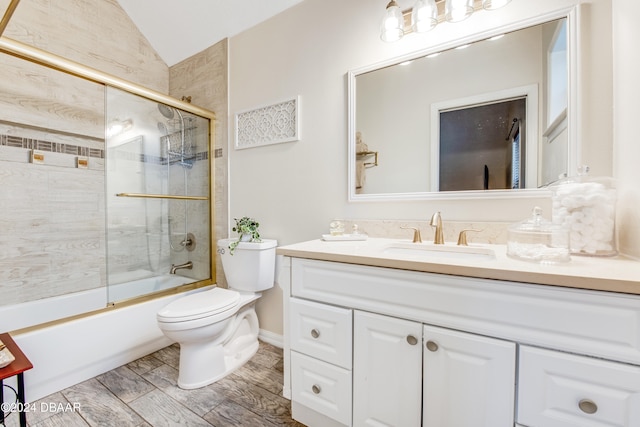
x=295, y=189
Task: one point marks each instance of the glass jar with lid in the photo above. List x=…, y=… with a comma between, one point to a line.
x=538, y=240
x=586, y=206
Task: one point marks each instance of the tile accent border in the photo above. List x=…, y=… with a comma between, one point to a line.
x=48, y=146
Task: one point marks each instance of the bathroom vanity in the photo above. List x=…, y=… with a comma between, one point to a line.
x=379, y=336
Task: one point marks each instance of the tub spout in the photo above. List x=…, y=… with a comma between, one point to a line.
x=188, y=265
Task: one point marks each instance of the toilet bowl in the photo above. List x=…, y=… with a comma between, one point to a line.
x=217, y=329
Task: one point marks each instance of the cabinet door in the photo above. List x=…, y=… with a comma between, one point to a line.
x=566, y=390
x=387, y=372
x=469, y=380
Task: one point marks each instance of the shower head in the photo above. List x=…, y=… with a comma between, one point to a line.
x=166, y=111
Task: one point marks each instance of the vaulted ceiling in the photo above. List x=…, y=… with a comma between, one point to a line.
x=178, y=29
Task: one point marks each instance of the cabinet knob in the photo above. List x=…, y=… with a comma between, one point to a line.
x=412, y=340
x=432, y=346
x=316, y=389
x=588, y=406
x=315, y=333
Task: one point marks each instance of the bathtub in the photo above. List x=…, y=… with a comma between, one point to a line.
x=18, y=316
x=67, y=353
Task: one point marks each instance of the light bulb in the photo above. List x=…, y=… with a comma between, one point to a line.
x=424, y=16
x=458, y=10
x=392, y=27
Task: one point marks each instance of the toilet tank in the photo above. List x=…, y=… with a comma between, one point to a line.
x=252, y=266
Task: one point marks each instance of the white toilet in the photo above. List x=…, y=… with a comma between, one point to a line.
x=217, y=329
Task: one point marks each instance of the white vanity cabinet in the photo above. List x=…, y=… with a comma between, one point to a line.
x=439, y=350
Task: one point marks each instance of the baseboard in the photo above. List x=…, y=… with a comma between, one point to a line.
x=271, y=338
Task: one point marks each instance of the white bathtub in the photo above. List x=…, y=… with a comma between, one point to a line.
x=18, y=316
x=71, y=352
x=145, y=286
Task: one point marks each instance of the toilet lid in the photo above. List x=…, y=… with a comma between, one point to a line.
x=199, y=305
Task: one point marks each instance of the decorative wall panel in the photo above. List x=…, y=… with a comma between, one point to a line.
x=272, y=124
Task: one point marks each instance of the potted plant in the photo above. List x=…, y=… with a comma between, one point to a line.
x=247, y=229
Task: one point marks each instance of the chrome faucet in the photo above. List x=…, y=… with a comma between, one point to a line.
x=436, y=221
x=188, y=265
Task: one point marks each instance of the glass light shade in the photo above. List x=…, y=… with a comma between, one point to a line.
x=494, y=4
x=424, y=16
x=392, y=28
x=458, y=10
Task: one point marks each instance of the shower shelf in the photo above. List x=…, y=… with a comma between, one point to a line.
x=161, y=196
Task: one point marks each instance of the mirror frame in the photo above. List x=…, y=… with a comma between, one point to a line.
x=572, y=14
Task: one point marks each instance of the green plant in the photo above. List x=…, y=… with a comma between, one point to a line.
x=245, y=226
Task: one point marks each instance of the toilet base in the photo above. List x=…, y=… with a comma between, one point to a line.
x=202, y=364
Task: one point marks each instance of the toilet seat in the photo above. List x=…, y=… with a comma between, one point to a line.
x=199, y=305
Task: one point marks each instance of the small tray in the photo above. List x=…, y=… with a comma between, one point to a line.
x=344, y=237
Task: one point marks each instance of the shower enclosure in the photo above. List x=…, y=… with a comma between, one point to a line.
x=106, y=190
x=157, y=196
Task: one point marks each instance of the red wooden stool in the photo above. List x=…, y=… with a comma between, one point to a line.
x=17, y=367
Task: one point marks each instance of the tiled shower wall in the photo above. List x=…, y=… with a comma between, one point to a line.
x=52, y=216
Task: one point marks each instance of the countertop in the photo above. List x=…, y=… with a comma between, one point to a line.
x=612, y=274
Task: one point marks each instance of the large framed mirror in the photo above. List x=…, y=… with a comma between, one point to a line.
x=492, y=115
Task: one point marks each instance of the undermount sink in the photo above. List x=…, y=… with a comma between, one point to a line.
x=439, y=251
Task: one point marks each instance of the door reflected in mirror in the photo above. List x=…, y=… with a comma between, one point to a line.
x=482, y=147
x=491, y=116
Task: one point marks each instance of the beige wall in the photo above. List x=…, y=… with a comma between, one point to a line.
x=296, y=188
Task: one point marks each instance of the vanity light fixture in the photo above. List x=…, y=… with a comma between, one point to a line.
x=116, y=127
x=494, y=4
x=426, y=14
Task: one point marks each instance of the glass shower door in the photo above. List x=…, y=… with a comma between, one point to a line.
x=157, y=196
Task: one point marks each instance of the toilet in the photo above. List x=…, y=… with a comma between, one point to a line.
x=217, y=329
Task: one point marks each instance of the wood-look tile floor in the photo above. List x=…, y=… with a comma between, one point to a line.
x=145, y=393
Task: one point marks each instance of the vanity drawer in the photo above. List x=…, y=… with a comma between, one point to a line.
x=561, y=390
x=321, y=331
x=321, y=386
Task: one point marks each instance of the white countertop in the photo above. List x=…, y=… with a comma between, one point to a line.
x=613, y=274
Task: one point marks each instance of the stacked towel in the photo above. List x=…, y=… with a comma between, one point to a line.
x=361, y=147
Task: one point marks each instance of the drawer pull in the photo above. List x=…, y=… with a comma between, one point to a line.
x=315, y=333
x=432, y=346
x=412, y=340
x=588, y=406
x=316, y=389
